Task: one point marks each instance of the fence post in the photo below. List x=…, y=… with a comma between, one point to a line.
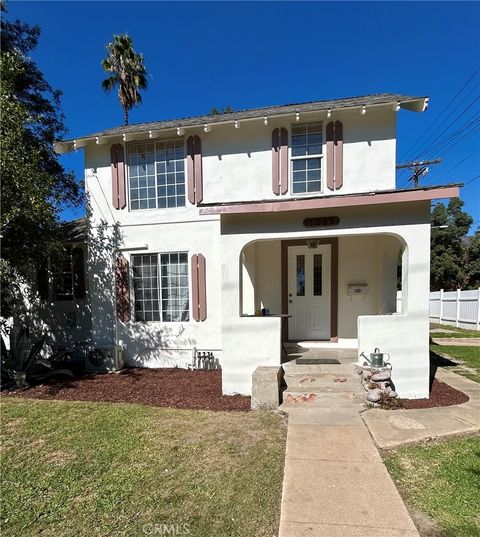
x=457, y=315
x=478, y=309
x=440, y=314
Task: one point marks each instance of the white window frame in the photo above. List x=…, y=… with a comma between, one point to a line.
x=154, y=142
x=62, y=297
x=132, y=286
x=320, y=156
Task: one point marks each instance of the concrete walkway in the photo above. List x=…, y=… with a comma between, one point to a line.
x=393, y=428
x=457, y=341
x=335, y=483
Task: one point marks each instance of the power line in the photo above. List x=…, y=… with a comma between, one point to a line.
x=441, y=113
x=418, y=169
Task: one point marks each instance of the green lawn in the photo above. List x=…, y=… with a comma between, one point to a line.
x=441, y=481
x=453, y=332
x=468, y=358
x=83, y=469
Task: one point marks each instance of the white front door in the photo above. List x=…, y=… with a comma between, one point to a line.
x=309, y=292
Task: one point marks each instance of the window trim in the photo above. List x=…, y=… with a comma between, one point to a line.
x=291, y=158
x=158, y=253
x=67, y=297
x=127, y=165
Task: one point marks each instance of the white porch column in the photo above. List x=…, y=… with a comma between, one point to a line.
x=406, y=336
x=247, y=341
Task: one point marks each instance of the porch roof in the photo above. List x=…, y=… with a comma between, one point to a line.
x=336, y=200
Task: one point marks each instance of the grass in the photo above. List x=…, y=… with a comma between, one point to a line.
x=442, y=481
x=86, y=469
x=467, y=357
x=453, y=332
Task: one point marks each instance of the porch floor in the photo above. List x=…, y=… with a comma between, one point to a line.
x=344, y=356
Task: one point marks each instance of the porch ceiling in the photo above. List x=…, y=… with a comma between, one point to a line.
x=325, y=202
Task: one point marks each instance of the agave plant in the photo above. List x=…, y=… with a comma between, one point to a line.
x=23, y=364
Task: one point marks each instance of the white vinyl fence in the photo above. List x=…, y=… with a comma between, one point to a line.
x=459, y=308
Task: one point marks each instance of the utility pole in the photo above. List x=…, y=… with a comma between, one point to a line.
x=418, y=169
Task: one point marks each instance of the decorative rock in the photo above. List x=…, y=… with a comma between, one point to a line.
x=374, y=396
x=392, y=394
x=382, y=376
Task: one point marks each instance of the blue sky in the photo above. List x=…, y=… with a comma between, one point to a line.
x=249, y=54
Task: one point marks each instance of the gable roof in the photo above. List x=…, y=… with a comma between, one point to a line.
x=417, y=104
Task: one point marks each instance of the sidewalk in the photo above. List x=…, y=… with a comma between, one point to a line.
x=335, y=482
x=393, y=428
x=457, y=341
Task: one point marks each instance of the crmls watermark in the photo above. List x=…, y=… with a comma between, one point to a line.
x=166, y=529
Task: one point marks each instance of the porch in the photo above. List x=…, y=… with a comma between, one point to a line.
x=284, y=282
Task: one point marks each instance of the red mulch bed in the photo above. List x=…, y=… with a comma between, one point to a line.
x=441, y=394
x=174, y=388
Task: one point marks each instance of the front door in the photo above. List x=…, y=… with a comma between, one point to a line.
x=309, y=273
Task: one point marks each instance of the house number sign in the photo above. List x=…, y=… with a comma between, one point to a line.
x=321, y=221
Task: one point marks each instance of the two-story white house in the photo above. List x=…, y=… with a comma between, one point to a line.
x=200, y=225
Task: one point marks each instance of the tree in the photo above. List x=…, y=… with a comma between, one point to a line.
x=128, y=73
x=473, y=261
x=448, y=253
x=35, y=186
x=219, y=111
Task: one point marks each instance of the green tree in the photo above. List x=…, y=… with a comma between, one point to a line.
x=450, y=225
x=35, y=186
x=127, y=72
x=473, y=261
x=219, y=111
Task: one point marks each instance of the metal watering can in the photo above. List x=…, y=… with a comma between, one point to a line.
x=377, y=359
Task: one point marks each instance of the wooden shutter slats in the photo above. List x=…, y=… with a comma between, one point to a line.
x=330, y=155
x=338, y=155
x=283, y=160
x=194, y=169
x=197, y=166
x=195, y=301
x=190, y=170
x=199, y=287
x=276, y=161
x=117, y=156
x=334, y=155
x=122, y=289
x=78, y=265
x=202, y=288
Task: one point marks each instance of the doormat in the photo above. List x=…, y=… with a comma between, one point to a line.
x=316, y=361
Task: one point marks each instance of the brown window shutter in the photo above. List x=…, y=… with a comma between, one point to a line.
x=276, y=161
x=42, y=279
x=283, y=160
x=197, y=168
x=195, y=301
x=122, y=289
x=119, y=198
x=199, y=287
x=78, y=263
x=330, y=155
x=191, y=169
x=338, y=150
x=202, y=287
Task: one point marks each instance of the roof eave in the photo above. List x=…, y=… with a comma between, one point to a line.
x=66, y=146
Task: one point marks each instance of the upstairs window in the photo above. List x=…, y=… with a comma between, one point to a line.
x=157, y=174
x=62, y=275
x=161, y=287
x=306, y=158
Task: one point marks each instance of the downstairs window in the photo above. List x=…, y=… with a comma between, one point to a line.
x=161, y=287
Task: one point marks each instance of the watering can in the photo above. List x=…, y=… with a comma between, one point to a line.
x=377, y=359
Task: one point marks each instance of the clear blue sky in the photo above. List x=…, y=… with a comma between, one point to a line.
x=250, y=54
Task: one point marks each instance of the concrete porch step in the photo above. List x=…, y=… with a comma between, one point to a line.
x=327, y=400
x=321, y=382
x=291, y=368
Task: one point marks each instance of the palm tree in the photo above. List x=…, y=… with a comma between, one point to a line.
x=127, y=72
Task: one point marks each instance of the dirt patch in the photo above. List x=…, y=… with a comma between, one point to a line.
x=441, y=394
x=174, y=388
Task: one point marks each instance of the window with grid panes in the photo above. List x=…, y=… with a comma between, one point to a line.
x=156, y=174
x=62, y=275
x=306, y=158
x=161, y=287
